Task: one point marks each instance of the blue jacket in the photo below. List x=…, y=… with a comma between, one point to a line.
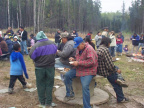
x=136, y=41
x=17, y=64
x=10, y=45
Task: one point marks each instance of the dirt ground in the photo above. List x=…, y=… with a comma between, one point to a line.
x=23, y=99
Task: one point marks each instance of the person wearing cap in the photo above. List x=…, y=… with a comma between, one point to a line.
x=57, y=37
x=68, y=51
x=105, y=32
x=43, y=54
x=141, y=41
x=135, y=42
x=86, y=64
x=9, y=43
x=16, y=40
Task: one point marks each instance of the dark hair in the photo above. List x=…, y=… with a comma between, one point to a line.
x=105, y=41
x=70, y=37
x=87, y=39
x=1, y=39
x=22, y=27
x=16, y=46
x=32, y=35
x=98, y=32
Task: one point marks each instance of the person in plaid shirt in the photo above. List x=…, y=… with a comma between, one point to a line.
x=86, y=64
x=107, y=69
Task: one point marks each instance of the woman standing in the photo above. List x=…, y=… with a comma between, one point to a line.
x=113, y=44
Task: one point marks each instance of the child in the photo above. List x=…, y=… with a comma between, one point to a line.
x=125, y=49
x=120, y=80
x=119, y=42
x=17, y=68
x=16, y=40
x=32, y=41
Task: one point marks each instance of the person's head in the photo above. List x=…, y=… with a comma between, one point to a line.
x=1, y=39
x=90, y=33
x=64, y=37
x=15, y=38
x=17, y=47
x=74, y=31
x=112, y=32
x=65, y=30
x=40, y=35
x=106, y=42
x=119, y=36
x=79, y=43
x=58, y=31
x=135, y=34
x=21, y=28
x=126, y=46
x=87, y=39
x=105, y=28
x=99, y=33
x=70, y=37
x=31, y=36
x=142, y=34
x=9, y=28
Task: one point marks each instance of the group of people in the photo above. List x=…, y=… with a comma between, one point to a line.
x=8, y=39
x=86, y=63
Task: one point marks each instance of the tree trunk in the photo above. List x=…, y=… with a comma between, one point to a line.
x=34, y=17
x=8, y=15
x=20, y=13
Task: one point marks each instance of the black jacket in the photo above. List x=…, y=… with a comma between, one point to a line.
x=24, y=35
x=57, y=38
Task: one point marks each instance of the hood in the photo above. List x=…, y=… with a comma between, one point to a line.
x=41, y=36
x=15, y=56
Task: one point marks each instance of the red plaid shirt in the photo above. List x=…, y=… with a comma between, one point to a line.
x=87, y=60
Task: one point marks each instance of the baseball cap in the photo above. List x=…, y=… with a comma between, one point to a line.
x=78, y=41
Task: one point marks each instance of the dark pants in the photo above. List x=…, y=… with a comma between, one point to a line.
x=45, y=82
x=13, y=79
x=117, y=88
x=112, y=51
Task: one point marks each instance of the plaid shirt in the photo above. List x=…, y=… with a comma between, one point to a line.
x=105, y=64
x=87, y=61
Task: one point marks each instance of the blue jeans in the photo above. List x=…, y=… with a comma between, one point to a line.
x=117, y=88
x=85, y=81
x=140, y=45
x=58, y=64
x=119, y=48
x=24, y=47
x=112, y=51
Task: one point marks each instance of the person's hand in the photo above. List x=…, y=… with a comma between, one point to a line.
x=57, y=51
x=71, y=59
x=75, y=63
x=119, y=71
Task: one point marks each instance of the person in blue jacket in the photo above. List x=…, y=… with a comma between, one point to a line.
x=135, y=42
x=17, y=68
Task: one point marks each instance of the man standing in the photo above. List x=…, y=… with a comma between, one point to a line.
x=23, y=40
x=107, y=69
x=43, y=54
x=86, y=68
x=57, y=38
x=135, y=42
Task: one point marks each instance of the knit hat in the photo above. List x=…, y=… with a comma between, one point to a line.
x=40, y=35
x=15, y=37
x=64, y=35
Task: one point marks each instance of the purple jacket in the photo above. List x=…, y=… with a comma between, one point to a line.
x=43, y=53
